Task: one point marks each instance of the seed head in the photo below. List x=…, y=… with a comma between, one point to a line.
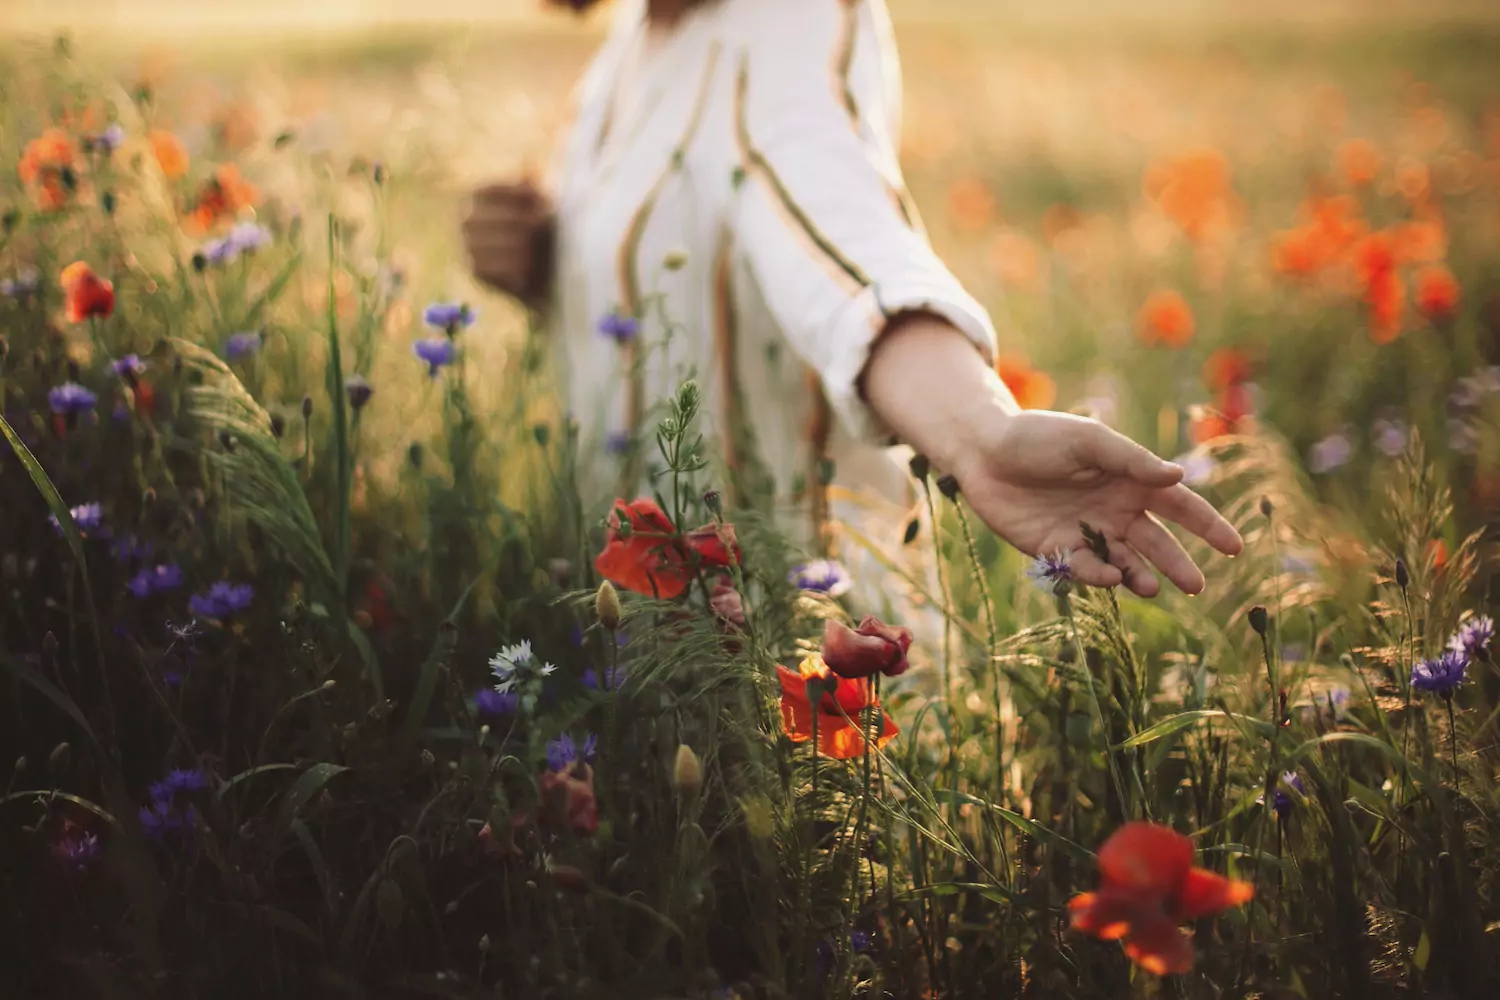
x=687, y=772
x=607, y=606
x=1260, y=620
x=1403, y=575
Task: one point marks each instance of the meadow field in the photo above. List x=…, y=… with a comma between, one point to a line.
x=313, y=680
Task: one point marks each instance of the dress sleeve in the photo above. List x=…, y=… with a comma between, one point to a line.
x=821, y=215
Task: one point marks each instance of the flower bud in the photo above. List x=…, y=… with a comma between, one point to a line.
x=687, y=772
x=1267, y=508
x=675, y=261
x=1259, y=620
x=414, y=454
x=920, y=467
x=1403, y=575
x=948, y=487
x=913, y=527
x=714, y=501
x=427, y=757
x=278, y=425
x=607, y=606
x=484, y=945
x=306, y=407
x=60, y=761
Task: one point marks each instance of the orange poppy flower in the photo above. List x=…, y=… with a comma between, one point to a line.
x=1421, y=241
x=649, y=557
x=1386, y=297
x=86, y=293
x=1358, y=162
x=45, y=163
x=1437, y=551
x=171, y=154
x=1165, y=319
x=1330, y=226
x=1437, y=292
x=970, y=203
x=1194, y=190
x=1033, y=390
x=223, y=198
x=838, y=714
x=1148, y=889
x=1225, y=367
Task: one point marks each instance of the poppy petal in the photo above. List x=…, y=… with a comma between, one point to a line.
x=1150, y=859
x=1107, y=916
x=796, y=711
x=1204, y=893
x=1160, y=947
x=852, y=655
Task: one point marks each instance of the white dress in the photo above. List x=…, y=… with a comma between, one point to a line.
x=735, y=189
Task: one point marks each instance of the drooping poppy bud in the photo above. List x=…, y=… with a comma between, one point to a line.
x=874, y=647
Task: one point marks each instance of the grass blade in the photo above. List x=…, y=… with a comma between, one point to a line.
x=305, y=787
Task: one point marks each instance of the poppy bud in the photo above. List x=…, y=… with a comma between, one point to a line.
x=10, y=219
x=948, y=487
x=200, y=263
x=687, y=772
x=107, y=202
x=427, y=757
x=714, y=501
x=1259, y=620
x=1403, y=575
x=4, y=348
x=541, y=434
x=306, y=407
x=1267, y=508
x=414, y=455
x=920, y=467
x=607, y=605
x=278, y=425
x=484, y=945
x=913, y=527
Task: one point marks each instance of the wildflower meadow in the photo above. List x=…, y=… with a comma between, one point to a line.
x=322, y=677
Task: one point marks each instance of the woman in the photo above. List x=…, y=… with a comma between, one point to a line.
x=729, y=207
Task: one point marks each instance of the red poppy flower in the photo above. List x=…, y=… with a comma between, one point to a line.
x=86, y=293
x=1148, y=888
x=222, y=198
x=651, y=558
x=874, y=647
x=1165, y=319
x=568, y=800
x=839, y=711
x=1437, y=292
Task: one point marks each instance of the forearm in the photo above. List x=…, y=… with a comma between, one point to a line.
x=935, y=392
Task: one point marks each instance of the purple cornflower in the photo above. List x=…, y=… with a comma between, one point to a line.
x=129, y=368
x=823, y=576
x=248, y=236
x=242, y=345
x=25, y=282
x=1052, y=572
x=220, y=251
x=614, y=677
x=70, y=399
x=496, y=703
x=438, y=352
x=1472, y=639
x=450, y=317
x=359, y=390
x=161, y=819
x=619, y=327
x=1440, y=675
x=1281, y=801
x=155, y=580
x=107, y=141
x=180, y=781
x=617, y=443
x=1390, y=437
x=860, y=941
x=86, y=517
x=1330, y=453
x=222, y=600
x=128, y=548
x=563, y=751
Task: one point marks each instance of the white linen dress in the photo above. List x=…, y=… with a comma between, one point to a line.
x=735, y=190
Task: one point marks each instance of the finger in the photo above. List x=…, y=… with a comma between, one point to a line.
x=516, y=192
x=1090, y=569
x=1116, y=454
x=1182, y=506
x=1156, y=543
x=491, y=242
x=503, y=217
x=1133, y=569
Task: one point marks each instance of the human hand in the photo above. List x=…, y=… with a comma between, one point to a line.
x=1036, y=476
x=508, y=235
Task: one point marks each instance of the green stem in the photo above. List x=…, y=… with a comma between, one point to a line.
x=1088, y=674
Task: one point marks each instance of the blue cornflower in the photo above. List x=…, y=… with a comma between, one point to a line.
x=823, y=576
x=109, y=140
x=248, y=236
x=129, y=367
x=1053, y=572
x=25, y=283
x=71, y=398
x=155, y=580
x=185, y=631
x=590, y=746
x=128, y=548
x=179, y=781
x=614, y=677
x=222, y=600
x=160, y=819
x=78, y=852
x=1281, y=801
x=1390, y=437
x=438, y=352
x=561, y=752
x=1330, y=453
x=220, y=251
x=450, y=317
x=1473, y=637
x=1441, y=674
x=619, y=327
x=860, y=941
x=496, y=703
x=86, y=517
x=242, y=345
x=617, y=443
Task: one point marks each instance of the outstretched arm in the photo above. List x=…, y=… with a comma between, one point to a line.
x=1035, y=475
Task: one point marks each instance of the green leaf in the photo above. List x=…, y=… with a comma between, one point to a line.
x=1015, y=819
x=340, y=421
x=252, y=772
x=315, y=858
x=442, y=648
x=994, y=893
x=1424, y=952
x=305, y=787
x=1183, y=720
x=372, y=662
x=1359, y=739
x=50, y=794
x=52, y=692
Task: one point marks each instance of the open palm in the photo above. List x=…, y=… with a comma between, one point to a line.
x=1046, y=473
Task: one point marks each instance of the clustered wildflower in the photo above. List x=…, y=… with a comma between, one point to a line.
x=1442, y=674
x=244, y=238
x=70, y=399
x=155, y=580
x=565, y=751
x=489, y=702
x=822, y=576
x=171, y=809
x=438, y=352
x=241, y=345
x=449, y=317
x=512, y=663
x=619, y=327
x=86, y=518
x=1052, y=572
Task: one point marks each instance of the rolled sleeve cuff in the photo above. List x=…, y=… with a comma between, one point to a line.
x=860, y=325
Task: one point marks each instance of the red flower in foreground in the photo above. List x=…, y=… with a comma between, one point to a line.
x=568, y=801
x=87, y=294
x=649, y=557
x=874, y=647
x=1148, y=888
x=838, y=715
